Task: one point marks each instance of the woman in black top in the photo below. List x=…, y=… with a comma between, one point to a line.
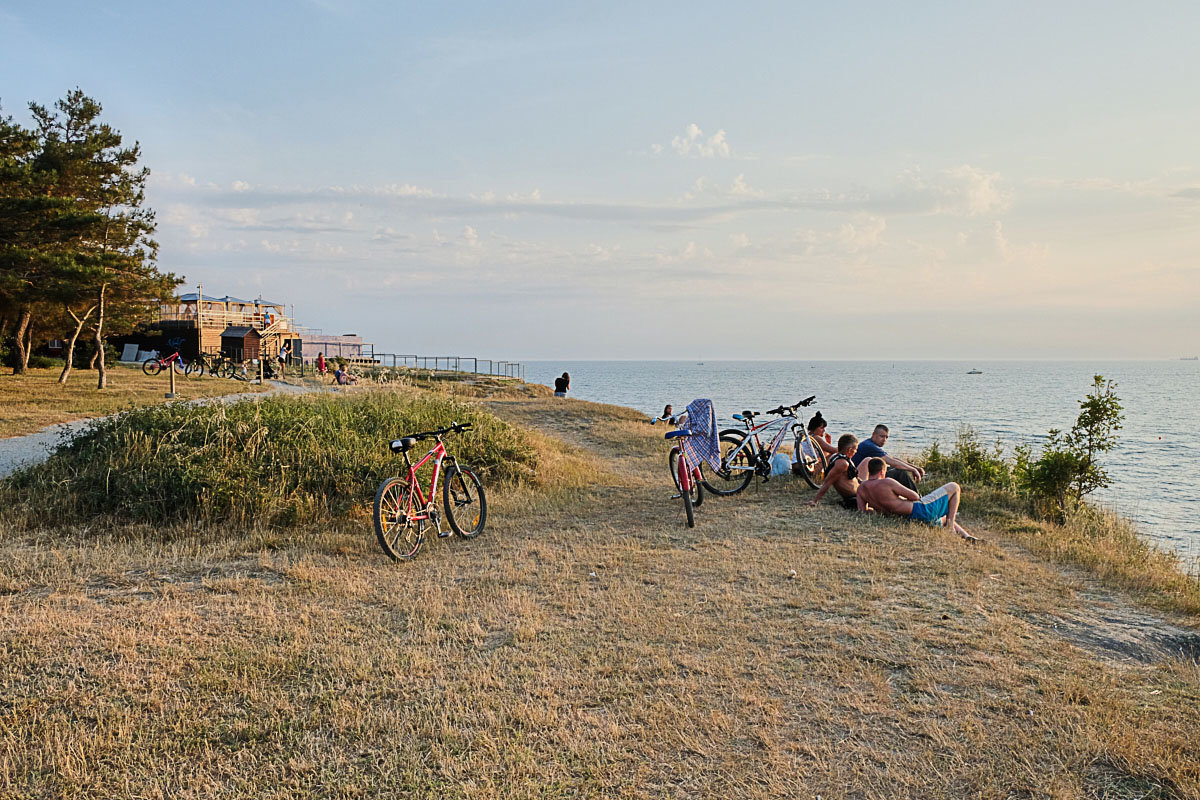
x=561, y=385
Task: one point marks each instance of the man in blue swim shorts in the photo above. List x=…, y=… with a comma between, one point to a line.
x=887, y=496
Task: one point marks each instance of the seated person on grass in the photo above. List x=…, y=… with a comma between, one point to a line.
x=841, y=474
x=899, y=470
x=817, y=438
x=887, y=496
x=342, y=376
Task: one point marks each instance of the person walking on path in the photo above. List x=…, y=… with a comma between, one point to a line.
x=321, y=363
x=562, y=385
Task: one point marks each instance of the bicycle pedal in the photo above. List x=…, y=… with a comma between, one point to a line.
x=676, y=496
x=444, y=534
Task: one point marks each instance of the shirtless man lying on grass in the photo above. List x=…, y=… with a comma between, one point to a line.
x=878, y=493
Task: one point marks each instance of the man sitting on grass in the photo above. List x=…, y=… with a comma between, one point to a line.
x=841, y=474
x=886, y=495
x=906, y=474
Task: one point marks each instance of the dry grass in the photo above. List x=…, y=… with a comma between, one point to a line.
x=588, y=644
x=32, y=401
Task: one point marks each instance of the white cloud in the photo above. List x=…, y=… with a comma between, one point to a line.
x=737, y=189
x=740, y=240
x=741, y=189
x=864, y=233
x=1031, y=253
x=693, y=144
x=690, y=252
x=240, y=186
x=979, y=190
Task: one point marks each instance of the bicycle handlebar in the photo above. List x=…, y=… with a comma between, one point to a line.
x=455, y=427
x=808, y=401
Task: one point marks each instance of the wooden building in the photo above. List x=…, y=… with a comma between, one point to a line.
x=204, y=320
x=241, y=343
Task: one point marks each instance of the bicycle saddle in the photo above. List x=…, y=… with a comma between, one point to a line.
x=677, y=434
x=401, y=445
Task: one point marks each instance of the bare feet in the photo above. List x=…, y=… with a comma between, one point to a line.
x=961, y=531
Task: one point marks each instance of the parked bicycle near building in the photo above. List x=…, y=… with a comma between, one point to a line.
x=153, y=366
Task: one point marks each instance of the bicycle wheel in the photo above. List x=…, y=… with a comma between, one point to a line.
x=151, y=366
x=194, y=368
x=178, y=366
x=224, y=369
x=399, y=535
x=736, y=472
x=673, y=462
x=688, y=511
x=464, y=501
x=813, y=463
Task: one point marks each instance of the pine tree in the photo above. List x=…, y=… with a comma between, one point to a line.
x=82, y=234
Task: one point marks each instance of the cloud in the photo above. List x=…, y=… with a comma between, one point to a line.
x=693, y=144
x=864, y=233
x=1189, y=193
x=741, y=189
x=737, y=189
x=977, y=191
x=690, y=252
x=740, y=240
x=1031, y=253
x=960, y=191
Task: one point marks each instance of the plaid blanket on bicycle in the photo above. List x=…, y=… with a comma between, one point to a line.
x=701, y=445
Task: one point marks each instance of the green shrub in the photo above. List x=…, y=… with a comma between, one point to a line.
x=970, y=461
x=45, y=362
x=280, y=460
x=1068, y=467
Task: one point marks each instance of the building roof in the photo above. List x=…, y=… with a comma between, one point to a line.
x=240, y=331
x=191, y=297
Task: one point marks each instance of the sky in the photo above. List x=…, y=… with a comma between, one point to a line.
x=528, y=180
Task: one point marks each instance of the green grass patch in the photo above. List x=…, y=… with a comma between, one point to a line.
x=280, y=460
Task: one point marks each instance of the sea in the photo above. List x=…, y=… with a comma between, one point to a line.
x=1154, y=468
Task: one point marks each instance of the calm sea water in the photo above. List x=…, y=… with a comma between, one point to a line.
x=1154, y=467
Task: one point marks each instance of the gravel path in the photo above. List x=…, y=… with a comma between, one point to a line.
x=31, y=448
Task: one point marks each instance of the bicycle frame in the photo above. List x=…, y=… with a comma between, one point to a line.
x=439, y=455
x=754, y=442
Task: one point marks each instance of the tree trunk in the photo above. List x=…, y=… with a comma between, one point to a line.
x=22, y=357
x=102, y=381
x=66, y=373
x=28, y=345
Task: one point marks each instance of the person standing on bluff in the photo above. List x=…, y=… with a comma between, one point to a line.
x=562, y=384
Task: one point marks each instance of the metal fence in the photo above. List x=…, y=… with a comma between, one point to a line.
x=467, y=364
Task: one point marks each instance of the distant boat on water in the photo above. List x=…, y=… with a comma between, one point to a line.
x=974, y=372
x=1189, y=358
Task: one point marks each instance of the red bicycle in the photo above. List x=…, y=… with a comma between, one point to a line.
x=153, y=366
x=687, y=476
x=403, y=509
